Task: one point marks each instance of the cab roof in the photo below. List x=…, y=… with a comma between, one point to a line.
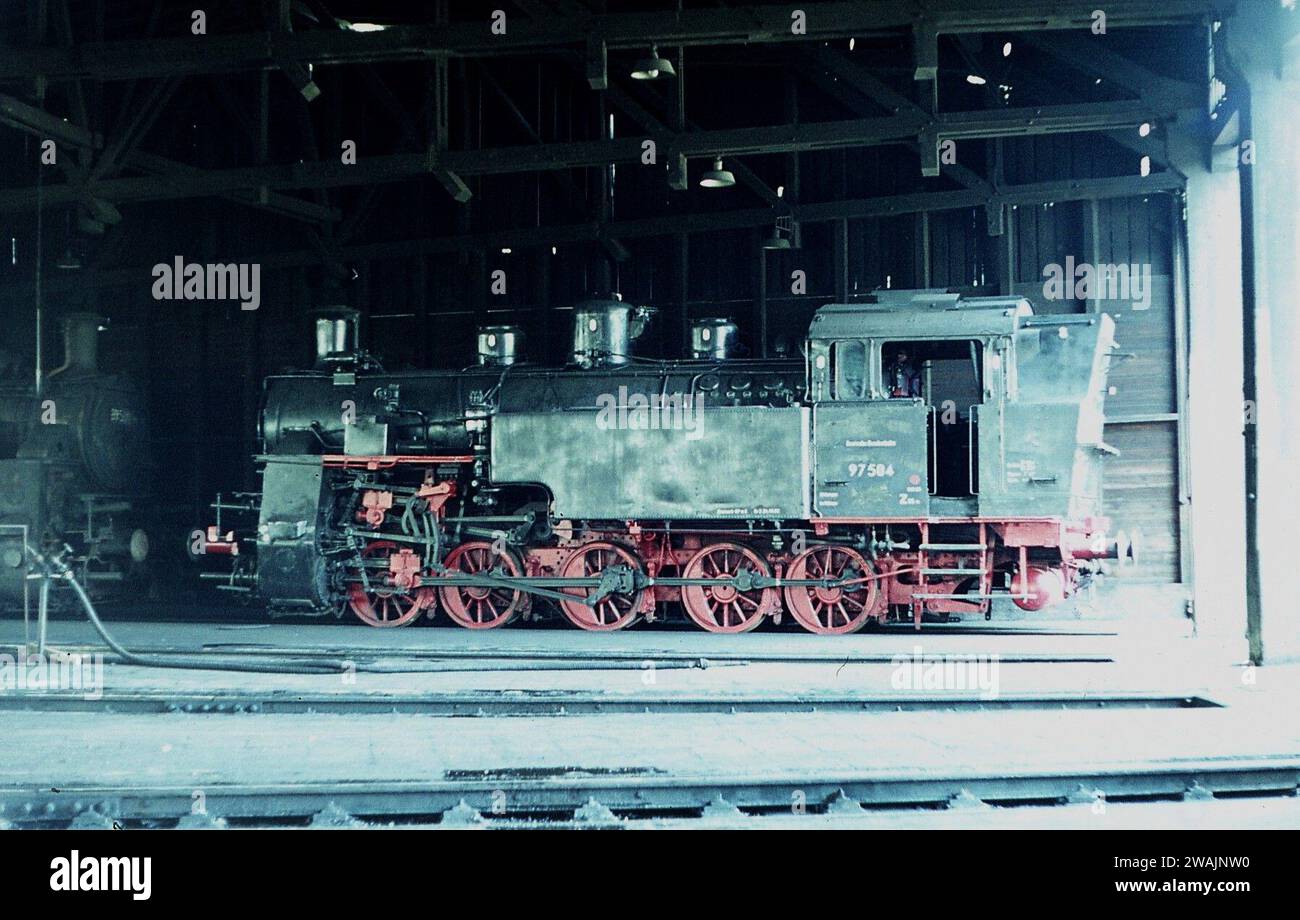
x=921, y=315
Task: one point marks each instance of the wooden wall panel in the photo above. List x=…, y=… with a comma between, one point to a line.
x=1141, y=494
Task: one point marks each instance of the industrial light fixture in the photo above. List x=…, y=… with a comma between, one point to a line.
x=717, y=177
x=975, y=79
x=366, y=27
x=652, y=67
x=776, y=240
x=780, y=237
x=1006, y=50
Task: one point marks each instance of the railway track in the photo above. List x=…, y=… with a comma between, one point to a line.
x=559, y=792
x=529, y=659
x=565, y=795
x=241, y=619
x=595, y=657
x=484, y=703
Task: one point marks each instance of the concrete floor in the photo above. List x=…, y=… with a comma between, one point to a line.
x=1255, y=720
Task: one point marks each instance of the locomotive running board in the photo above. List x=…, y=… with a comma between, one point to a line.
x=973, y=597
x=387, y=461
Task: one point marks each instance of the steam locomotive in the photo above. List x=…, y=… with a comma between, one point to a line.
x=71, y=462
x=928, y=453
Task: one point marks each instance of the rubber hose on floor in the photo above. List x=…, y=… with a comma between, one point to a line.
x=58, y=568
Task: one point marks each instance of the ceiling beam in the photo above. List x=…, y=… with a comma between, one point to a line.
x=36, y=121
x=163, y=172
x=849, y=82
x=1091, y=56
x=834, y=135
x=742, y=25
x=123, y=142
x=672, y=224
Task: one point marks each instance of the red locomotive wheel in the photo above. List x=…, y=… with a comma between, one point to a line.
x=615, y=611
x=726, y=608
x=837, y=610
x=384, y=605
x=481, y=607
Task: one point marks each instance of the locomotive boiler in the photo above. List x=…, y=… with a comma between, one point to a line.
x=72, y=463
x=927, y=454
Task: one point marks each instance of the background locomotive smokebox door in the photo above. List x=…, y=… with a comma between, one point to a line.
x=291, y=570
x=24, y=500
x=870, y=459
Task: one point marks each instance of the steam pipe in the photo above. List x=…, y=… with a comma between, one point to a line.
x=80, y=344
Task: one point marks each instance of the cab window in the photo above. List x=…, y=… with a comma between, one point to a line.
x=849, y=370
x=934, y=370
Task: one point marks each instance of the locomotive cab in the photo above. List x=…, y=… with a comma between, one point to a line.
x=957, y=407
x=908, y=392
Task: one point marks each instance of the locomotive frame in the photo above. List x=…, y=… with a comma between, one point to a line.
x=483, y=491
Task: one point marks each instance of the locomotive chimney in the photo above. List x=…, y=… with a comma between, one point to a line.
x=80, y=344
x=336, y=335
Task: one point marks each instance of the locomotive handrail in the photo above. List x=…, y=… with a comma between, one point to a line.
x=385, y=461
x=970, y=451
x=934, y=450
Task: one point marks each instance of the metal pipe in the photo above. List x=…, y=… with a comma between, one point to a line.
x=40, y=211
x=1178, y=269
x=1250, y=391
x=80, y=344
x=42, y=615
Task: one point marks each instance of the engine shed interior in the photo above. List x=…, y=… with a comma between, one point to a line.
x=525, y=359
